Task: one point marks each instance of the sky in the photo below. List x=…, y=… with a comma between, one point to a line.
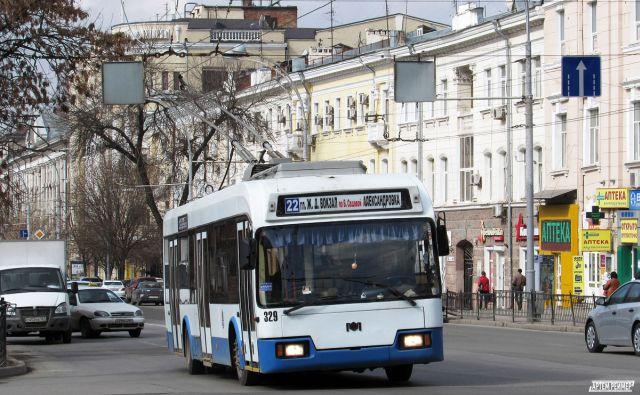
x=108, y=12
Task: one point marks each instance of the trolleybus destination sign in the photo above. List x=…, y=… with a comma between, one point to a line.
x=332, y=203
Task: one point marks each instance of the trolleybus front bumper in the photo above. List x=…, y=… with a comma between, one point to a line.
x=349, y=358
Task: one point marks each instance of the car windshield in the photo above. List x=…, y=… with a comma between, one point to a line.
x=113, y=283
x=346, y=263
x=150, y=285
x=98, y=296
x=31, y=279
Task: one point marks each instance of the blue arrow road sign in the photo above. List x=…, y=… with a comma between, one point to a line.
x=580, y=76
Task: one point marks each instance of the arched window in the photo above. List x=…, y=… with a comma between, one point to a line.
x=432, y=176
x=487, y=183
x=444, y=167
x=521, y=188
x=404, y=166
x=537, y=169
x=385, y=166
x=372, y=166
x=414, y=167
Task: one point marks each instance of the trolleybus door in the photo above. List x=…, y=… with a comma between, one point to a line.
x=246, y=295
x=202, y=291
x=174, y=297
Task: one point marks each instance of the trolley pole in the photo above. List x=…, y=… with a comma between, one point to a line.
x=528, y=98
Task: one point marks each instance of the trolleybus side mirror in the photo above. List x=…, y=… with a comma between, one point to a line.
x=441, y=235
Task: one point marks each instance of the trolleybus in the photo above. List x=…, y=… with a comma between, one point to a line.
x=306, y=267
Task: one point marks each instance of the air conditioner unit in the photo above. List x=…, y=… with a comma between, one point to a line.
x=500, y=113
x=498, y=210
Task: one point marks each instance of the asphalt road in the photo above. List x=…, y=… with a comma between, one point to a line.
x=478, y=360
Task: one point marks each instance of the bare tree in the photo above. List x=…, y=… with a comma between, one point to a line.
x=111, y=220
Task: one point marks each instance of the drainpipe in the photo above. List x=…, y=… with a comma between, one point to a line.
x=509, y=183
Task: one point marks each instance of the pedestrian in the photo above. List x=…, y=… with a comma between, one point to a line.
x=518, y=284
x=483, y=289
x=610, y=287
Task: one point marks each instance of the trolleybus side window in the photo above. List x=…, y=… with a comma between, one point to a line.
x=347, y=263
x=223, y=259
x=182, y=273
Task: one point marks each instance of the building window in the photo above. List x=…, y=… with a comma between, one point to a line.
x=593, y=260
x=165, y=80
x=176, y=81
x=537, y=77
x=594, y=26
x=488, y=182
x=503, y=173
x=432, y=176
x=466, y=168
x=351, y=111
x=537, y=169
x=636, y=131
x=289, y=116
x=637, y=20
x=489, y=86
x=445, y=92
x=361, y=107
x=592, y=139
x=385, y=166
x=523, y=171
x=337, y=119
x=503, y=84
x=386, y=105
x=328, y=122
x=372, y=166
x=404, y=167
x=561, y=34
x=560, y=143
x=444, y=164
x=523, y=77
x=414, y=167
x=317, y=119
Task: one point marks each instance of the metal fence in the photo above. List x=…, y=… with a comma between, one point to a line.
x=513, y=306
x=3, y=333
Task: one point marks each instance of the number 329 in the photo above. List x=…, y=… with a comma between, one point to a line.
x=270, y=316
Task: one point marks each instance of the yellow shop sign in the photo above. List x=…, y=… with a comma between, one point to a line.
x=612, y=197
x=595, y=240
x=629, y=230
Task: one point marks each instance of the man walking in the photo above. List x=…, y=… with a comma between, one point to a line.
x=483, y=289
x=517, y=285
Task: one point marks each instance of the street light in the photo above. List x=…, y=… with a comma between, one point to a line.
x=240, y=51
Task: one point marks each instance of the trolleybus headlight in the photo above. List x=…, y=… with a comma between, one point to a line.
x=292, y=350
x=415, y=340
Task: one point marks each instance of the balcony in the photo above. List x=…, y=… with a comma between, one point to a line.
x=295, y=144
x=377, y=134
x=236, y=35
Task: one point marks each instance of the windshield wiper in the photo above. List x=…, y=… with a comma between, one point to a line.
x=315, y=302
x=389, y=288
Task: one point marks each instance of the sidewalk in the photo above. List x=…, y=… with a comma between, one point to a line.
x=505, y=322
x=14, y=367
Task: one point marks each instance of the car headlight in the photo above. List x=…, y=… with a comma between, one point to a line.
x=61, y=309
x=292, y=350
x=138, y=313
x=415, y=340
x=101, y=313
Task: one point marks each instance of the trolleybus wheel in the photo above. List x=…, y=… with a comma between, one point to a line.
x=245, y=377
x=399, y=374
x=193, y=365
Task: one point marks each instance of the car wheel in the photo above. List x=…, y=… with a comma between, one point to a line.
x=245, y=377
x=135, y=332
x=636, y=338
x=399, y=374
x=49, y=338
x=66, y=337
x=193, y=365
x=591, y=338
x=85, y=329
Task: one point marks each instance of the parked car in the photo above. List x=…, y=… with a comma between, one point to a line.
x=148, y=292
x=97, y=310
x=128, y=291
x=615, y=321
x=93, y=281
x=116, y=286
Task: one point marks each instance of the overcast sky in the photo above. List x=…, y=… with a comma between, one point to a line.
x=108, y=12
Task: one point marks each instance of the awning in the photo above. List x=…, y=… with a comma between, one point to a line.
x=557, y=196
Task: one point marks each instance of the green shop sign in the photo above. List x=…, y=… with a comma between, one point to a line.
x=556, y=235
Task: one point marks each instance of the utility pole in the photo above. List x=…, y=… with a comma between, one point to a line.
x=528, y=99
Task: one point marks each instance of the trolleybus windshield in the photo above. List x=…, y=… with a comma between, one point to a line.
x=347, y=263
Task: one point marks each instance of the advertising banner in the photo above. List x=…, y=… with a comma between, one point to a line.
x=578, y=275
x=595, y=240
x=629, y=231
x=556, y=235
x=612, y=197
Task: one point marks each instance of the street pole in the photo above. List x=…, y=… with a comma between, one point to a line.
x=420, y=146
x=528, y=98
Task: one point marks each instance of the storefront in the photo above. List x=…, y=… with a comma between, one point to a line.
x=558, y=246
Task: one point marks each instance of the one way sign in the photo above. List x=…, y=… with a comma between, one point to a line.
x=580, y=76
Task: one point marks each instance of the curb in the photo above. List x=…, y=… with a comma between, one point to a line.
x=506, y=324
x=15, y=368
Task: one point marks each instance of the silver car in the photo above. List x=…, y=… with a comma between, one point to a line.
x=114, y=285
x=97, y=310
x=615, y=321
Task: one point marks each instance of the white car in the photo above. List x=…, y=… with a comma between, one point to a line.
x=116, y=286
x=97, y=310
